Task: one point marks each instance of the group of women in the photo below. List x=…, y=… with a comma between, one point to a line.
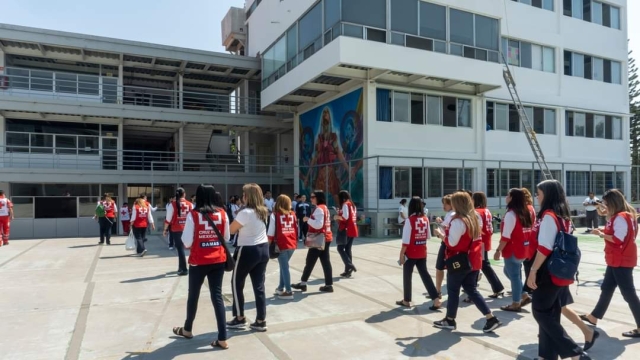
x=527, y=240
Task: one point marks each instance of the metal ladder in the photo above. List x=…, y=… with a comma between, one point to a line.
x=524, y=120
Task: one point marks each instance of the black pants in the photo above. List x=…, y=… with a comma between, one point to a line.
x=592, y=219
x=214, y=274
x=105, y=229
x=171, y=238
x=407, y=274
x=492, y=278
x=250, y=261
x=139, y=233
x=546, y=304
x=345, y=254
x=177, y=239
x=440, y=260
x=467, y=280
x=618, y=277
x=527, y=270
x=304, y=228
x=312, y=257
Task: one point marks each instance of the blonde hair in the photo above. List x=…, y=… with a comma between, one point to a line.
x=140, y=202
x=255, y=200
x=616, y=203
x=528, y=199
x=283, y=205
x=463, y=206
x=446, y=199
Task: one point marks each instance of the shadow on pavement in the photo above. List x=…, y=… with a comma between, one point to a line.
x=200, y=344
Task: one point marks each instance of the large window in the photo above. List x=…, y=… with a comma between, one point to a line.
x=500, y=181
x=593, y=125
x=443, y=181
x=433, y=21
x=592, y=68
x=474, y=36
x=292, y=47
x=531, y=56
x=580, y=183
x=593, y=11
x=310, y=32
x=365, y=12
x=505, y=117
x=410, y=107
x=542, y=4
x=404, y=182
x=331, y=13
x=404, y=16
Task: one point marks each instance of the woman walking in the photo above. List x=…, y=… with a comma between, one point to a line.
x=177, y=212
x=621, y=256
x=480, y=204
x=514, y=246
x=464, y=261
x=347, y=231
x=440, y=231
x=252, y=256
x=319, y=223
x=109, y=209
x=140, y=220
x=283, y=229
x=550, y=292
x=413, y=253
x=206, y=230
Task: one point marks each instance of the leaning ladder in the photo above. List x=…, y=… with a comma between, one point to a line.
x=524, y=120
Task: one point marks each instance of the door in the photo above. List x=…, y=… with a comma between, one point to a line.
x=109, y=153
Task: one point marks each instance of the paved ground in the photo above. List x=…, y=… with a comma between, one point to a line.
x=69, y=298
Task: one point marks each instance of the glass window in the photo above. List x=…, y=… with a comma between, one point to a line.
x=578, y=65
x=606, y=15
x=455, y=49
x=41, y=143
x=56, y=207
x=434, y=110
x=596, y=12
x=331, y=13
x=22, y=207
x=440, y=46
x=19, y=78
x=514, y=53
x=419, y=43
x=401, y=184
x=397, y=38
x=579, y=124
x=88, y=85
x=464, y=113
x=400, y=106
x=434, y=188
x=566, y=5
x=598, y=69
x=514, y=119
x=417, y=181
x=487, y=32
x=376, y=35
x=66, y=83
x=525, y=55
x=280, y=54
x=353, y=31
x=568, y=66
x=616, y=72
x=599, y=124
x=41, y=80
x=536, y=57
x=310, y=27
x=538, y=120
x=449, y=114
x=87, y=206
x=462, y=31
x=529, y=111
x=577, y=6
x=549, y=121
x=502, y=117
x=292, y=43
x=268, y=65
x=617, y=128
x=66, y=144
x=450, y=181
x=615, y=17
x=365, y=12
x=17, y=139
x=404, y=16
x=383, y=105
x=385, y=181
x=548, y=60
x=433, y=21
x=547, y=4
x=417, y=109
x=88, y=145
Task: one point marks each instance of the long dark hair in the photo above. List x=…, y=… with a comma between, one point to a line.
x=343, y=197
x=321, y=199
x=179, y=194
x=518, y=205
x=555, y=199
x=206, y=199
x=415, y=206
x=479, y=200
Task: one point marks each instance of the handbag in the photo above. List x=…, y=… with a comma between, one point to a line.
x=130, y=244
x=459, y=262
x=230, y=264
x=274, y=250
x=315, y=241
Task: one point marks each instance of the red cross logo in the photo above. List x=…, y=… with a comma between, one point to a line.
x=421, y=226
x=1, y=204
x=184, y=209
x=286, y=221
x=123, y=212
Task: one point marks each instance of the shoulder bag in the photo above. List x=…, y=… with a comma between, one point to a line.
x=459, y=262
x=230, y=264
x=274, y=250
x=316, y=240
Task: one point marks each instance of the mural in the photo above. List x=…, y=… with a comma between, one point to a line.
x=331, y=138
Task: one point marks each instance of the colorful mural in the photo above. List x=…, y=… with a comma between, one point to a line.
x=331, y=151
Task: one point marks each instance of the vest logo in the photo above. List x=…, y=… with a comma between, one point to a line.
x=209, y=244
x=421, y=226
x=204, y=222
x=286, y=221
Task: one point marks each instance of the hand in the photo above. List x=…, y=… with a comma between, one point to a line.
x=165, y=232
x=337, y=217
x=596, y=232
x=496, y=256
x=439, y=220
x=531, y=281
x=305, y=219
x=402, y=260
x=153, y=227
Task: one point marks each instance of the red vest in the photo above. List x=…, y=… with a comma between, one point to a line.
x=180, y=214
x=622, y=254
x=487, y=228
x=207, y=248
x=530, y=234
x=518, y=244
x=142, y=217
x=466, y=244
x=567, y=226
x=350, y=223
x=109, y=209
x=327, y=224
x=286, y=235
x=417, y=247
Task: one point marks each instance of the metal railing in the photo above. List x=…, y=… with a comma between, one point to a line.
x=101, y=89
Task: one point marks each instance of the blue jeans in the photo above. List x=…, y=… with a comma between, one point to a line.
x=513, y=271
x=285, y=275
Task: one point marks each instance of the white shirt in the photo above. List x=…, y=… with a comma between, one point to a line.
x=134, y=215
x=124, y=214
x=509, y=222
x=345, y=211
x=316, y=220
x=269, y=204
x=293, y=205
x=620, y=228
x=548, y=232
x=425, y=211
x=447, y=219
x=457, y=228
x=590, y=206
x=402, y=210
x=253, y=231
x=169, y=209
x=187, y=234
x=406, y=233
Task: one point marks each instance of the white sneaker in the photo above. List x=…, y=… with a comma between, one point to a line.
x=278, y=292
x=170, y=247
x=143, y=252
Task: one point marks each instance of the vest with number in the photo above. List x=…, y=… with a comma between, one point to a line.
x=207, y=248
x=180, y=212
x=622, y=252
x=487, y=228
x=142, y=217
x=417, y=247
x=286, y=230
x=326, y=229
x=465, y=244
x=5, y=205
x=518, y=244
x=349, y=224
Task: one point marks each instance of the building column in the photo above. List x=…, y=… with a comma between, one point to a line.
x=246, y=150
x=278, y=150
x=181, y=89
x=122, y=195
x=120, y=144
x=120, y=83
x=175, y=95
x=296, y=153
x=180, y=148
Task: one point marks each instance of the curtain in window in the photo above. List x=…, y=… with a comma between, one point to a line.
x=386, y=183
x=383, y=104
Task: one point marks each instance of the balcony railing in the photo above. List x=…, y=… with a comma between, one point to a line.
x=100, y=89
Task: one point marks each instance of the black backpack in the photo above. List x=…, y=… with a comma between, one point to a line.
x=565, y=257
x=229, y=213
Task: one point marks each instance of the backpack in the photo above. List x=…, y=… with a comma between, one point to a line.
x=100, y=210
x=565, y=257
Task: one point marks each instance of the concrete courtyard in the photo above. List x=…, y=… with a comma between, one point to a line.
x=73, y=299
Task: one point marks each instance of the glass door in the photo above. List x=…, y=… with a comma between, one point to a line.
x=109, y=153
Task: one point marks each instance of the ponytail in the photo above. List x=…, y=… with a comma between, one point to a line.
x=179, y=193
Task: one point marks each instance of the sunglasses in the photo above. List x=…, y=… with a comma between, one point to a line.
x=313, y=196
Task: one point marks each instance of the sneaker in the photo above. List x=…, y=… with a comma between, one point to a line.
x=183, y=272
x=278, y=292
x=491, y=325
x=299, y=286
x=445, y=324
x=285, y=295
x=143, y=252
x=326, y=288
x=237, y=324
x=170, y=247
x=259, y=326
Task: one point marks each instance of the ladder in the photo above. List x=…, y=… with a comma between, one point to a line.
x=524, y=120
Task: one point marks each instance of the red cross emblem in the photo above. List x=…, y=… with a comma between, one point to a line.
x=1, y=204
x=184, y=209
x=421, y=226
x=286, y=221
x=123, y=212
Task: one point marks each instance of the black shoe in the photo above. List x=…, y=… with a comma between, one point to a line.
x=326, y=288
x=491, y=325
x=584, y=356
x=445, y=324
x=237, y=324
x=183, y=272
x=299, y=286
x=346, y=274
x=100, y=242
x=259, y=326
x=108, y=243
x=353, y=269
x=589, y=344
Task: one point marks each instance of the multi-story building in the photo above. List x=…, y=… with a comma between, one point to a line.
x=390, y=98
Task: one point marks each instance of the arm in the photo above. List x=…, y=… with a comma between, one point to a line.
x=406, y=240
x=620, y=230
x=134, y=214
x=11, y=210
x=226, y=235
x=546, y=240
x=317, y=219
x=456, y=230
x=238, y=222
x=345, y=214
x=168, y=219
x=187, y=234
x=271, y=232
x=150, y=218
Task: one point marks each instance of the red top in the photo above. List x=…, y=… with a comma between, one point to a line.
x=546, y=252
x=142, y=217
x=179, y=218
x=516, y=244
x=531, y=234
x=286, y=231
x=5, y=205
x=417, y=247
x=465, y=244
x=487, y=227
x=326, y=230
x=207, y=248
x=350, y=223
x=109, y=209
x=622, y=252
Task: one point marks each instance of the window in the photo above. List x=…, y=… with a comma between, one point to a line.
x=449, y=111
x=433, y=21
x=578, y=183
x=417, y=109
x=462, y=32
x=383, y=105
x=592, y=68
x=410, y=107
x=596, y=12
x=353, y=31
x=292, y=47
x=331, y=13
x=473, y=31
x=499, y=181
x=434, y=107
x=434, y=183
x=464, y=113
x=593, y=11
x=41, y=80
x=56, y=207
x=579, y=124
x=417, y=181
x=365, y=12
x=400, y=106
x=280, y=56
x=502, y=117
x=598, y=69
x=41, y=143
x=310, y=29
x=514, y=119
x=402, y=183
x=404, y=16
x=616, y=72
x=593, y=125
x=385, y=181
x=599, y=124
x=617, y=128
x=446, y=181
x=487, y=34
x=548, y=59
x=542, y=4
x=577, y=9
x=376, y=35
x=505, y=117
x=615, y=17
x=17, y=142
x=578, y=64
x=549, y=121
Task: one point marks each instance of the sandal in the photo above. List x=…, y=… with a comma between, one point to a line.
x=497, y=295
x=180, y=332
x=585, y=318
x=632, y=334
x=216, y=344
x=510, y=308
x=525, y=302
x=403, y=304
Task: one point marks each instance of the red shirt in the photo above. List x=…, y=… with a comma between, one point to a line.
x=417, y=246
x=5, y=206
x=327, y=224
x=285, y=230
x=350, y=222
x=621, y=252
x=207, y=248
x=109, y=209
x=487, y=227
x=547, y=251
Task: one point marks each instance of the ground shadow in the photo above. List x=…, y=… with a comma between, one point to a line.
x=83, y=246
x=505, y=318
x=429, y=345
x=149, y=278
x=200, y=344
x=389, y=315
x=607, y=347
